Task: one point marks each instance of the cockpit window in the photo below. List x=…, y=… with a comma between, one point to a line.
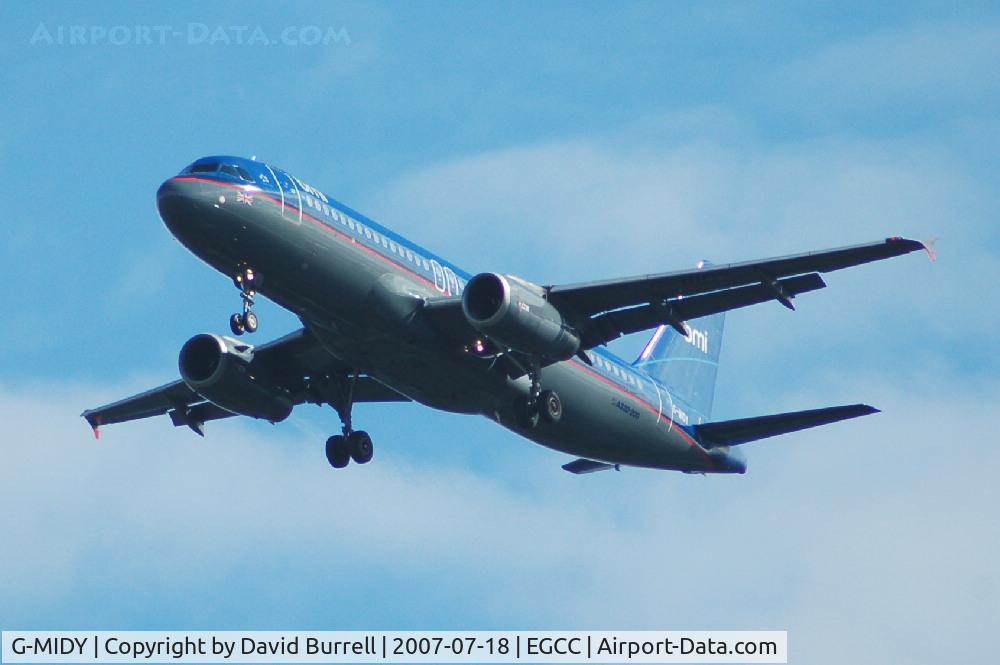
x=213, y=166
x=205, y=167
x=237, y=172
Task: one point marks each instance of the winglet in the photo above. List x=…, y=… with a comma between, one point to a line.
x=96, y=425
x=94, y=421
x=929, y=248
x=909, y=245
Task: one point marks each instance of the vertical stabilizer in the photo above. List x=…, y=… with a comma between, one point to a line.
x=686, y=364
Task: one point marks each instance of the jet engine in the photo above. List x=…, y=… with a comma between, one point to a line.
x=222, y=370
x=516, y=314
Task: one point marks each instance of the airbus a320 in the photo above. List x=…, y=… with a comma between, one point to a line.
x=385, y=320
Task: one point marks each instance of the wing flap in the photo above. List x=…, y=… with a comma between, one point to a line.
x=153, y=402
x=290, y=361
x=611, y=325
x=590, y=298
x=744, y=430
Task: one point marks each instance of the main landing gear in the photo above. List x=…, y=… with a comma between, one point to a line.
x=538, y=403
x=341, y=449
x=246, y=281
x=356, y=445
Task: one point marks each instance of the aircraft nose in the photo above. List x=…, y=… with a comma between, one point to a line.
x=177, y=201
x=173, y=189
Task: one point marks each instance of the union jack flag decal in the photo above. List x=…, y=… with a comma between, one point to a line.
x=244, y=197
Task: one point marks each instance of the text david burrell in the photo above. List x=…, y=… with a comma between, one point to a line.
x=313, y=646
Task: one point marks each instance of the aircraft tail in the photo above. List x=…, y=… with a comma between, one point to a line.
x=686, y=364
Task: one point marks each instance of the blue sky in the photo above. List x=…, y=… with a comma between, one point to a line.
x=562, y=143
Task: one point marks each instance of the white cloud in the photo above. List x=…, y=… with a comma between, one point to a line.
x=611, y=206
x=878, y=532
x=871, y=541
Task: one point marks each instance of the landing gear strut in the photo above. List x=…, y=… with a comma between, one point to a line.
x=246, y=281
x=538, y=403
x=356, y=445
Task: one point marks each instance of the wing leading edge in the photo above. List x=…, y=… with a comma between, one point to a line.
x=605, y=310
x=592, y=298
x=292, y=361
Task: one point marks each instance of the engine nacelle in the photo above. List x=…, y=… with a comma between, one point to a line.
x=221, y=370
x=516, y=314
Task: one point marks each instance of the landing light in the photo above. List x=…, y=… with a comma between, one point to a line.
x=479, y=348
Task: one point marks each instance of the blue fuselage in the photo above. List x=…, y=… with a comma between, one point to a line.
x=360, y=287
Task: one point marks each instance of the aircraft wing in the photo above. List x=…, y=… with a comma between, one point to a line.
x=290, y=361
x=606, y=309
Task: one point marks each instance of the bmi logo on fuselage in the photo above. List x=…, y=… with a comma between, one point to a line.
x=697, y=338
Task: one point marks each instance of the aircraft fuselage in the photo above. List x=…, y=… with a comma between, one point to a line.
x=359, y=287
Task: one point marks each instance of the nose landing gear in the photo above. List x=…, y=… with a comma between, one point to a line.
x=246, y=281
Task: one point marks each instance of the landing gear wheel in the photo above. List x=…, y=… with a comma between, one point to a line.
x=338, y=391
x=527, y=413
x=551, y=406
x=247, y=281
x=250, y=321
x=361, y=447
x=338, y=452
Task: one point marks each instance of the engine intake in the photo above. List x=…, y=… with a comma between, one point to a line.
x=222, y=370
x=516, y=314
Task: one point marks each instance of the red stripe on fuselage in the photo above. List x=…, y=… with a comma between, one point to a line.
x=322, y=225
x=646, y=405
x=347, y=238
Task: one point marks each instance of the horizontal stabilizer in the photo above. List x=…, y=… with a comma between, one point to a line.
x=579, y=466
x=744, y=430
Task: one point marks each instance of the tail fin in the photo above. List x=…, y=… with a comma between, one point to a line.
x=686, y=365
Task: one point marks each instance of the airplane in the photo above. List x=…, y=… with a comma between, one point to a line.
x=385, y=320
